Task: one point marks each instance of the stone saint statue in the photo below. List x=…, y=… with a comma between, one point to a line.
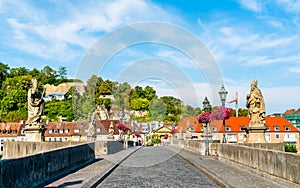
x=35, y=105
x=256, y=105
x=111, y=131
x=188, y=130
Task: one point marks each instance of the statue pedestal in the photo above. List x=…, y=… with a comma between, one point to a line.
x=91, y=138
x=256, y=133
x=34, y=133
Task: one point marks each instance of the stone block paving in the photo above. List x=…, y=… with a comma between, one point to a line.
x=87, y=176
x=162, y=167
x=156, y=167
x=231, y=174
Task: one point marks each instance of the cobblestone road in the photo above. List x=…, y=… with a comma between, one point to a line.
x=156, y=167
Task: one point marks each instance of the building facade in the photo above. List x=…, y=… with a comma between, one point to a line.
x=279, y=130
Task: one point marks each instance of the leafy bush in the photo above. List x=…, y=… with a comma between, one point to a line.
x=290, y=147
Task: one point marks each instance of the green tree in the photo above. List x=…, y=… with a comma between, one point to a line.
x=91, y=84
x=14, y=102
x=121, y=93
x=157, y=109
x=139, y=104
x=150, y=93
x=47, y=76
x=21, y=71
x=35, y=73
x=187, y=111
x=139, y=92
x=106, y=87
x=4, y=69
x=62, y=72
x=243, y=112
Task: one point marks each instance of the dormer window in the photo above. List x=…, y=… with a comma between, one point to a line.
x=276, y=128
x=228, y=128
x=287, y=128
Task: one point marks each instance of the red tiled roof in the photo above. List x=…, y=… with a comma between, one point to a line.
x=290, y=111
x=81, y=125
x=193, y=121
x=10, y=129
x=297, y=111
x=235, y=123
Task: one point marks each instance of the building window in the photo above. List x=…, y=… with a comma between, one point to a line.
x=50, y=131
x=228, y=128
x=241, y=135
x=61, y=131
x=214, y=128
x=49, y=139
x=55, y=131
x=67, y=131
x=276, y=128
x=287, y=128
x=60, y=139
x=14, y=132
x=98, y=130
x=277, y=136
x=54, y=139
x=66, y=139
x=267, y=128
x=76, y=130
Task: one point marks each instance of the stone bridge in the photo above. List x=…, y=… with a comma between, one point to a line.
x=180, y=165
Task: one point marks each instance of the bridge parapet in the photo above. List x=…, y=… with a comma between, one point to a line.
x=278, y=163
x=32, y=170
x=267, y=157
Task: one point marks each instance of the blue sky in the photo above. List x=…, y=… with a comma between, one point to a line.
x=247, y=39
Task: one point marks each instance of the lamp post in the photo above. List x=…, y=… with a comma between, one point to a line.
x=206, y=106
x=223, y=94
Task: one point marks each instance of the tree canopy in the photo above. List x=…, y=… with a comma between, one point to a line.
x=120, y=97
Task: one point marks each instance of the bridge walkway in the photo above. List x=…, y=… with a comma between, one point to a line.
x=142, y=167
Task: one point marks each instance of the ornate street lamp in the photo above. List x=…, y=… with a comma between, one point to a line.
x=206, y=107
x=223, y=95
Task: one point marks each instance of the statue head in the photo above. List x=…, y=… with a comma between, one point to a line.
x=34, y=84
x=254, y=84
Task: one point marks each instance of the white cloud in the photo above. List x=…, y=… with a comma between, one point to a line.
x=290, y=5
x=71, y=26
x=264, y=60
x=253, y=5
x=270, y=41
x=294, y=69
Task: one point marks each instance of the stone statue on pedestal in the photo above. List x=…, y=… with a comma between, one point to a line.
x=188, y=130
x=255, y=131
x=34, y=130
x=256, y=104
x=111, y=131
x=35, y=106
